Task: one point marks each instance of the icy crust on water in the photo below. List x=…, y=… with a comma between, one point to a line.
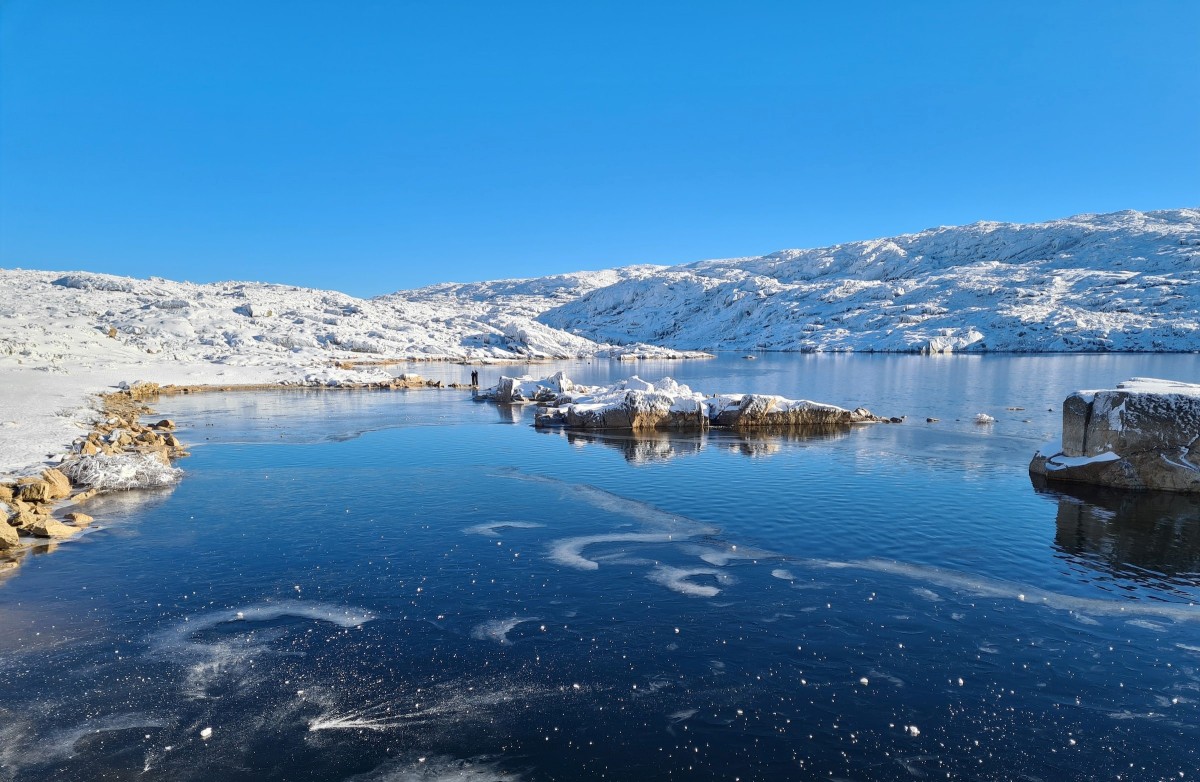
x=438, y=769
x=635, y=664
x=111, y=472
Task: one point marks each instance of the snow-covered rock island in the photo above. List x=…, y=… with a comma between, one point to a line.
x=638, y=405
x=1144, y=434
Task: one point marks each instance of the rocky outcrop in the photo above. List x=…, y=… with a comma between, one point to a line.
x=1144, y=434
x=8, y=536
x=758, y=410
x=638, y=405
x=50, y=527
x=556, y=389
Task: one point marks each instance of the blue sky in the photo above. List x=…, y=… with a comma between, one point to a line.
x=373, y=146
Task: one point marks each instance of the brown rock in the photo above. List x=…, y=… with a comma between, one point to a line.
x=24, y=519
x=60, y=485
x=89, y=449
x=8, y=537
x=34, y=490
x=150, y=438
x=172, y=441
x=1130, y=438
x=49, y=527
x=166, y=423
x=6, y=493
x=79, y=519
x=84, y=496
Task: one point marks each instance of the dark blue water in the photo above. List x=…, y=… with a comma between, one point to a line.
x=414, y=586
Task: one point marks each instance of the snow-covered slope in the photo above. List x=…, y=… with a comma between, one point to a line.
x=64, y=336
x=240, y=323
x=1125, y=281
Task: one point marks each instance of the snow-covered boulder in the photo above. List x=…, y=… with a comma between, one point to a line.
x=639, y=405
x=739, y=411
x=556, y=389
x=1144, y=434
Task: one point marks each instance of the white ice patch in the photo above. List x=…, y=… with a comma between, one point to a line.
x=60, y=743
x=783, y=575
x=728, y=553
x=995, y=588
x=121, y=471
x=1146, y=624
x=497, y=629
x=210, y=661
x=676, y=579
x=438, y=768
x=639, y=511
x=569, y=551
x=442, y=705
x=492, y=529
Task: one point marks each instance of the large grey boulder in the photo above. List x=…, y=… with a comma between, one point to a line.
x=1144, y=434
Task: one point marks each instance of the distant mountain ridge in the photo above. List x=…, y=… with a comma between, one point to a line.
x=1125, y=281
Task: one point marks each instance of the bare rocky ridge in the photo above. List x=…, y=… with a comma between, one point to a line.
x=1145, y=434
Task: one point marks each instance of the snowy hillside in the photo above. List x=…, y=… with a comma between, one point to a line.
x=1125, y=281
x=49, y=316
x=65, y=336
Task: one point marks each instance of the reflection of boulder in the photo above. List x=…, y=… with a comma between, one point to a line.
x=644, y=446
x=767, y=440
x=1145, y=434
x=1135, y=535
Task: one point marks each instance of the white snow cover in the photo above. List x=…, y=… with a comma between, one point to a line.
x=1125, y=281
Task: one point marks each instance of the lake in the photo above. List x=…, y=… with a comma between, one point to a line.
x=416, y=586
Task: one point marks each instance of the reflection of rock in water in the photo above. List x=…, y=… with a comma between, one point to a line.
x=1143, y=535
x=510, y=414
x=768, y=440
x=642, y=447
x=661, y=445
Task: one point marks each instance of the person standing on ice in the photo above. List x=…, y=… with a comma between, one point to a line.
x=474, y=378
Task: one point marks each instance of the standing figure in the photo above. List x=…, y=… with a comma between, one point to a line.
x=474, y=378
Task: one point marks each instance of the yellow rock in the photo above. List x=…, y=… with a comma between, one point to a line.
x=8, y=536
x=79, y=519
x=48, y=527
x=83, y=496
x=34, y=490
x=60, y=485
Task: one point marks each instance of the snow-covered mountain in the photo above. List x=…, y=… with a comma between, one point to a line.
x=1125, y=281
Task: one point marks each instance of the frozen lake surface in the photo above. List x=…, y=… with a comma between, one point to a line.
x=413, y=586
